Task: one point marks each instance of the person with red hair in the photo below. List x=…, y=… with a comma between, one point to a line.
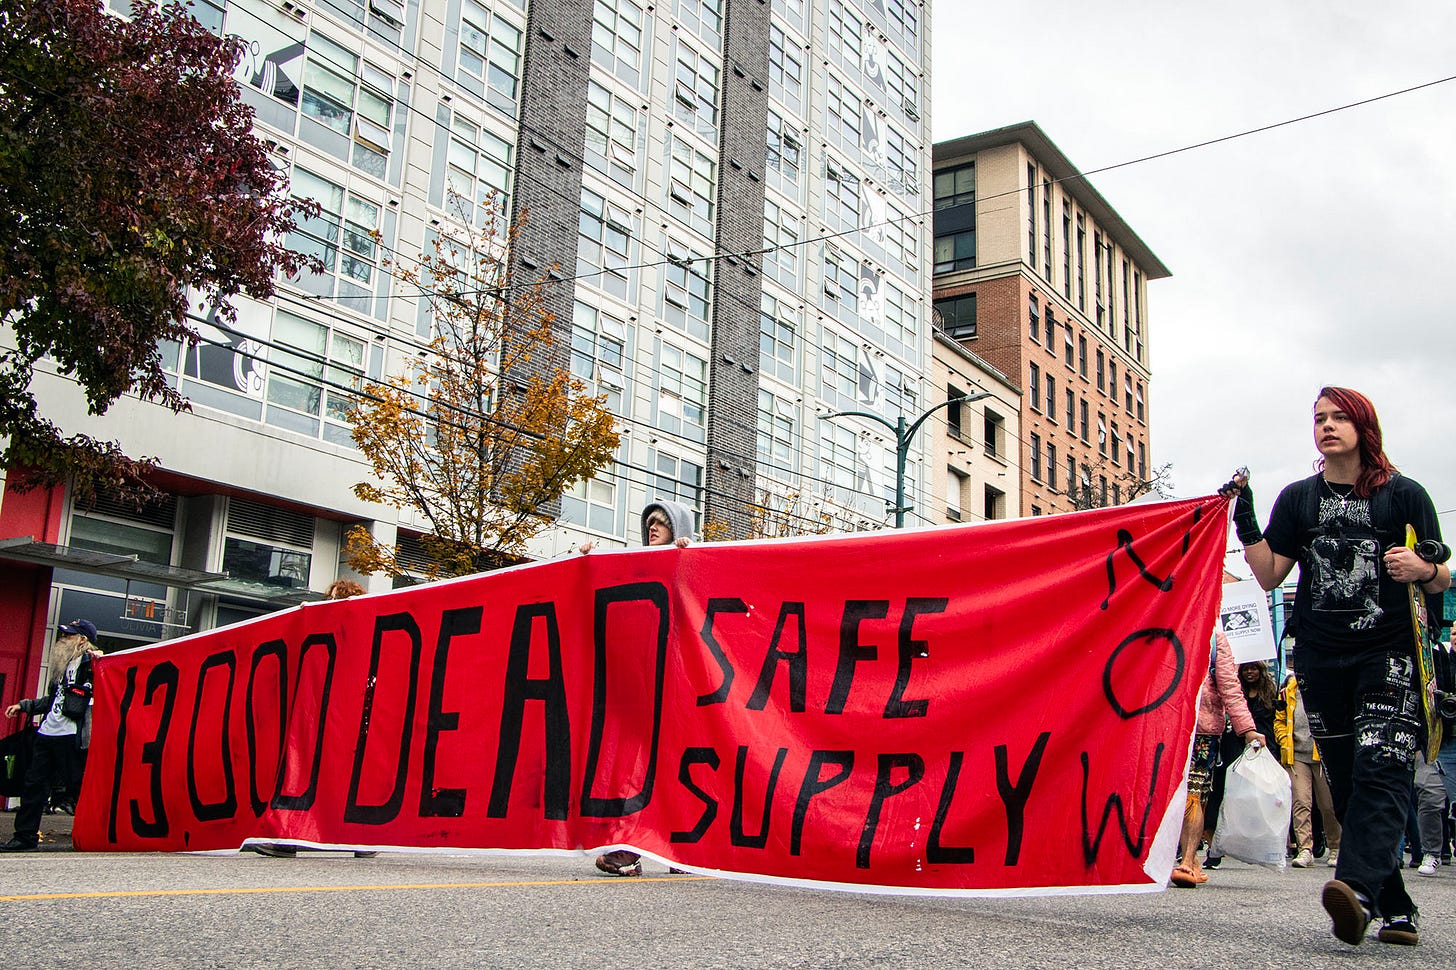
x=1345, y=526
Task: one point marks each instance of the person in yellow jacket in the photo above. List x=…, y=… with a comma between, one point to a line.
x=1300, y=757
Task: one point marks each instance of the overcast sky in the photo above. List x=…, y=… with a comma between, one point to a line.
x=1318, y=253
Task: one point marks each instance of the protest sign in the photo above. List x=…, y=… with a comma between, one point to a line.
x=999, y=708
x=1243, y=616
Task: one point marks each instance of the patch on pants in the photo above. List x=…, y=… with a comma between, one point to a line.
x=1387, y=726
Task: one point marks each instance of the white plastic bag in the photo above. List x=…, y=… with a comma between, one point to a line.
x=1253, y=823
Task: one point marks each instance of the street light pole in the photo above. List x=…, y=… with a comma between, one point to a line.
x=903, y=436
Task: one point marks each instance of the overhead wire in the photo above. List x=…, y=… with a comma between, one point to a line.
x=714, y=256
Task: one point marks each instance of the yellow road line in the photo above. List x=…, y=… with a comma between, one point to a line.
x=256, y=890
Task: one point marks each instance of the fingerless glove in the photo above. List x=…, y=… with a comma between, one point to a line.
x=1246, y=523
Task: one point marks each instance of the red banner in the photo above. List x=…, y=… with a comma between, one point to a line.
x=989, y=708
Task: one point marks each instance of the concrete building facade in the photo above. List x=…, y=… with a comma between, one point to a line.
x=1035, y=273
x=975, y=443
x=733, y=191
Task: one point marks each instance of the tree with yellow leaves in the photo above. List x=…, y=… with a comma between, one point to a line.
x=482, y=433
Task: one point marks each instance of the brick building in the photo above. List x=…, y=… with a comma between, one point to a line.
x=1040, y=277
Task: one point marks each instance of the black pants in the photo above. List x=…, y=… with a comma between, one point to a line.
x=55, y=762
x=1365, y=715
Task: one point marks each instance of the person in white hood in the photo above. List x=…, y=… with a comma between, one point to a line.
x=664, y=523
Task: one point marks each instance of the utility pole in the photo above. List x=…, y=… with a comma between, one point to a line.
x=904, y=434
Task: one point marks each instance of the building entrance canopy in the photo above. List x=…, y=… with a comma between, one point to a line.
x=133, y=569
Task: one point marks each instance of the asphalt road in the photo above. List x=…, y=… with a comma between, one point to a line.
x=404, y=910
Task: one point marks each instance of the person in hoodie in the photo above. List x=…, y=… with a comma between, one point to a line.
x=663, y=524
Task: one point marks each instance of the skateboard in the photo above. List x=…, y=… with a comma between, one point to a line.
x=1425, y=662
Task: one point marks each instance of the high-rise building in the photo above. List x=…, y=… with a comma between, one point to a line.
x=735, y=196
x=1039, y=276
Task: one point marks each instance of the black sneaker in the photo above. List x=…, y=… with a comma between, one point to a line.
x=15, y=845
x=1349, y=914
x=1399, y=929
x=1213, y=862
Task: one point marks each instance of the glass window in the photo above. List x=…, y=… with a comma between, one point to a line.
x=617, y=39
x=783, y=150
x=341, y=235
x=839, y=368
x=841, y=198
x=777, y=339
x=695, y=92
x=592, y=504
x=958, y=317
x=776, y=430
x=842, y=115
x=1033, y=384
x=314, y=378
x=785, y=70
x=900, y=157
x=490, y=56
x=686, y=290
x=114, y=538
x=704, y=18
x=845, y=42
x=955, y=251
x=781, y=244
x=604, y=235
x=598, y=353
x=611, y=134
x=478, y=175
x=993, y=433
x=955, y=186
x=350, y=97
x=259, y=562
x=841, y=281
x=678, y=480
x=690, y=180
x=682, y=394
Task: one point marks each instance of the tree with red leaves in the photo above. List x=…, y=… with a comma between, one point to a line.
x=130, y=179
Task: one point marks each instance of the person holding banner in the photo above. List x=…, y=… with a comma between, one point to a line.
x=65, y=731
x=1219, y=697
x=1345, y=526
x=664, y=523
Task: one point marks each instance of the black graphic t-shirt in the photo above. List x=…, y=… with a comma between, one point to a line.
x=1345, y=598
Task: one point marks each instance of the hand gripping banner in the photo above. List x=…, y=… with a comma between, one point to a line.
x=998, y=708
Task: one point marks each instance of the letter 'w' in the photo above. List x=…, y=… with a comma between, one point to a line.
x=1092, y=847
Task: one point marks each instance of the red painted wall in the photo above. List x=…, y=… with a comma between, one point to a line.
x=25, y=591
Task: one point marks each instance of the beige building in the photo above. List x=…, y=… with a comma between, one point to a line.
x=1038, y=276
x=975, y=445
